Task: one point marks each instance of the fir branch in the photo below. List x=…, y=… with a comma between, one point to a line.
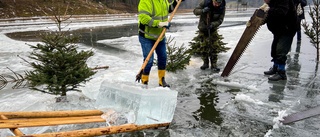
x=102, y=67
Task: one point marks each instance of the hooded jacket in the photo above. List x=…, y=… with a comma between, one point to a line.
x=151, y=13
x=216, y=15
x=282, y=17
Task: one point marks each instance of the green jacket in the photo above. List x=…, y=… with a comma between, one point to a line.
x=151, y=13
x=216, y=15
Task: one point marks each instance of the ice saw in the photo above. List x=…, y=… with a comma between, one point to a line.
x=253, y=25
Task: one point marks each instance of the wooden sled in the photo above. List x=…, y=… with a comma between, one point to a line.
x=16, y=120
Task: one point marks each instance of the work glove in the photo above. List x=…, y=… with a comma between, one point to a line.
x=265, y=7
x=205, y=9
x=164, y=24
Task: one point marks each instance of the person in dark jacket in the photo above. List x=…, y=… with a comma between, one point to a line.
x=282, y=22
x=300, y=4
x=208, y=42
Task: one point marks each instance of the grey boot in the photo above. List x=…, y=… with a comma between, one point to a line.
x=205, y=63
x=280, y=75
x=272, y=70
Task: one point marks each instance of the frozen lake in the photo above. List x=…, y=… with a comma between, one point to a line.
x=245, y=104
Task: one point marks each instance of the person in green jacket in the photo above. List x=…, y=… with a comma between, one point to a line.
x=153, y=17
x=208, y=42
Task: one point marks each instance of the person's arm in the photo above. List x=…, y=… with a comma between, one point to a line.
x=217, y=23
x=199, y=9
x=145, y=11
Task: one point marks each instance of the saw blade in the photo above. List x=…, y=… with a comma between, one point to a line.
x=301, y=115
x=252, y=28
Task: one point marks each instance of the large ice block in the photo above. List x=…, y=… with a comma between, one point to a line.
x=150, y=106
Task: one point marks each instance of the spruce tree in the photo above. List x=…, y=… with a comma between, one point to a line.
x=58, y=65
x=178, y=57
x=199, y=44
x=313, y=31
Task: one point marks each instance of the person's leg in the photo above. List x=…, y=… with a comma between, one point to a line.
x=213, y=50
x=205, y=59
x=282, y=49
x=299, y=31
x=213, y=62
x=299, y=35
x=161, y=51
x=146, y=46
x=274, y=67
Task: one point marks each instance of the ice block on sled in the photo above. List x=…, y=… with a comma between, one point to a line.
x=150, y=106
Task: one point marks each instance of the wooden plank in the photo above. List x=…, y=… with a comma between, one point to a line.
x=301, y=115
x=43, y=114
x=15, y=130
x=100, y=131
x=50, y=123
x=20, y=120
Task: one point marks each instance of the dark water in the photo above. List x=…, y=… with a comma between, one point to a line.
x=89, y=36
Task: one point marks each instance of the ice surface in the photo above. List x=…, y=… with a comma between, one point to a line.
x=246, y=78
x=150, y=106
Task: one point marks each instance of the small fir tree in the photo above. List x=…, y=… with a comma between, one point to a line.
x=58, y=64
x=199, y=44
x=313, y=31
x=178, y=57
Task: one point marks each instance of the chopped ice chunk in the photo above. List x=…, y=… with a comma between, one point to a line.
x=150, y=106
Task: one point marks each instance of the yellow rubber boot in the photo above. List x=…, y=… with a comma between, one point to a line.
x=144, y=79
x=162, y=82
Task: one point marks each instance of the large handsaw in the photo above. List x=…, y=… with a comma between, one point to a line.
x=253, y=25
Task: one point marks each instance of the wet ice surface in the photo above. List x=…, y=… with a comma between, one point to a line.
x=243, y=104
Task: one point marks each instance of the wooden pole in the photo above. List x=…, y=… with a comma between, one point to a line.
x=100, y=131
x=14, y=130
x=49, y=121
x=19, y=120
x=47, y=114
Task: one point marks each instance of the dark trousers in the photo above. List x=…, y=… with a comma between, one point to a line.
x=161, y=51
x=280, y=47
x=299, y=30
